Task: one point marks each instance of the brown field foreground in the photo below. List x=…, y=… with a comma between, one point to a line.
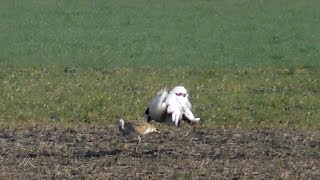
x=100, y=151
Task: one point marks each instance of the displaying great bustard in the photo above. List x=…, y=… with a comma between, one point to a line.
x=174, y=105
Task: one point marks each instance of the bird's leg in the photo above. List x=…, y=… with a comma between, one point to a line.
x=138, y=143
x=190, y=117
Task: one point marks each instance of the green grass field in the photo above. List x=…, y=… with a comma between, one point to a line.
x=245, y=63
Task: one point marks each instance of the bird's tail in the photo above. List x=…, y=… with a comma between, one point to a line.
x=162, y=92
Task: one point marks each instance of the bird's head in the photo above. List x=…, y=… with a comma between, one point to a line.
x=180, y=91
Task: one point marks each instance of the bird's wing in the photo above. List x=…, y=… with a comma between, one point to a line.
x=188, y=104
x=158, y=107
x=174, y=107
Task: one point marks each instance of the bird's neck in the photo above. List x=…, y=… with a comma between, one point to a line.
x=121, y=125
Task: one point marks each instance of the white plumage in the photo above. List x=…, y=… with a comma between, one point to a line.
x=158, y=107
x=174, y=105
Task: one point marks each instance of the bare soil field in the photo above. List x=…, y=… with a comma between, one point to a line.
x=102, y=152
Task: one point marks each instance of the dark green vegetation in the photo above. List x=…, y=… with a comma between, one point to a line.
x=135, y=32
x=244, y=62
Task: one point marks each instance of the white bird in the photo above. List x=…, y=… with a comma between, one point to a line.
x=175, y=104
x=179, y=105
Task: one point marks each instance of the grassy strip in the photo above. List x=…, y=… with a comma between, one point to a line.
x=268, y=97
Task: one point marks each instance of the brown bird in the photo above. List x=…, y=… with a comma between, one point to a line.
x=135, y=128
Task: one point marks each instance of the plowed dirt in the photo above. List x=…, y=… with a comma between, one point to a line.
x=102, y=152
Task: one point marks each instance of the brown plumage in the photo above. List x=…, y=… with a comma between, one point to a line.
x=135, y=128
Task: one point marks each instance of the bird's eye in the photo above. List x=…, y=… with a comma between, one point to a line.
x=181, y=94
